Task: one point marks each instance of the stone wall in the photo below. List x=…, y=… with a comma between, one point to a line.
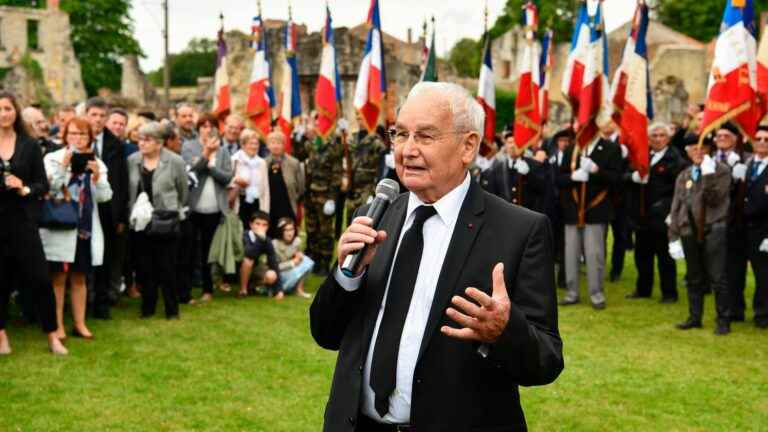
x=55, y=55
x=401, y=66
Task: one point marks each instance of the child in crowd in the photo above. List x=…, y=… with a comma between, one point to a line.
x=294, y=265
x=256, y=244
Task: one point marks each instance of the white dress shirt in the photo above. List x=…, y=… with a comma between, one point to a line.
x=761, y=164
x=99, y=144
x=438, y=232
x=658, y=155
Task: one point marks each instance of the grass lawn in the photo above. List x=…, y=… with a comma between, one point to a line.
x=252, y=365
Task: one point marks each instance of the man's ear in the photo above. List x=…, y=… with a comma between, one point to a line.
x=470, y=147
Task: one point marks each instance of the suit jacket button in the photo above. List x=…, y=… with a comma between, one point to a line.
x=418, y=380
x=360, y=368
x=351, y=420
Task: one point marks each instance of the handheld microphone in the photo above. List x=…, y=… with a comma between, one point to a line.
x=386, y=192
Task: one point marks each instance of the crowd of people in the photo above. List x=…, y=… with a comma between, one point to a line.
x=104, y=202
x=704, y=199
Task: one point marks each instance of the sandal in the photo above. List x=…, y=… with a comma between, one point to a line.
x=241, y=295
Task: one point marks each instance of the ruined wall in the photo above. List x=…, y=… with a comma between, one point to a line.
x=55, y=55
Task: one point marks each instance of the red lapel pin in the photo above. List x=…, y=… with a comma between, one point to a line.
x=471, y=226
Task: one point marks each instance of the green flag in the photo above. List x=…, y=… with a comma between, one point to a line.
x=430, y=69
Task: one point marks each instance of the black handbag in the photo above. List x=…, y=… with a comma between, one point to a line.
x=165, y=224
x=60, y=214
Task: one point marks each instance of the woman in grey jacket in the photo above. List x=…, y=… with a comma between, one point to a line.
x=211, y=165
x=161, y=174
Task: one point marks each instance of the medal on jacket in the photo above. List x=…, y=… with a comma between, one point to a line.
x=689, y=184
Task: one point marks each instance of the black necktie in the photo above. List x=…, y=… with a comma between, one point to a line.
x=405, y=270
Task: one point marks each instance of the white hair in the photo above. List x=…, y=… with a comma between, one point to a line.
x=467, y=113
x=663, y=126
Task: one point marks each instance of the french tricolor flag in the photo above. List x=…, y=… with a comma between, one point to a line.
x=732, y=91
x=291, y=98
x=221, y=96
x=261, y=97
x=527, y=113
x=632, y=101
x=372, y=81
x=486, y=96
x=762, y=73
x=546, y=66
x=585, y=81
x=328, y=91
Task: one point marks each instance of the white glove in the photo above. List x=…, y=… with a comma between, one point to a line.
x=522, y=167
x=342, y=125
x=676, y=250
x=764, y=246
x=733, y=158
x=624, y=151
x=589, y=165
x=580, y=176
x=389, y=160
x=739, y=172
x=668, y=220
x=708, y=165
x=639, y=180
x=329, y=207
x=141, y=214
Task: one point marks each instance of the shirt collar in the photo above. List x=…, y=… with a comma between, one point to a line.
x=448, y=207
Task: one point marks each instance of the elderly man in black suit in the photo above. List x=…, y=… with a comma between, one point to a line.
x=650, y=198
x=114, y=213
x=455, y=304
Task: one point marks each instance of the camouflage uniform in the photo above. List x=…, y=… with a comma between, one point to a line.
x=323, y=167
x=366, y=154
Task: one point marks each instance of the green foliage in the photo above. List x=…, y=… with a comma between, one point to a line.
x=39, y=4
x=555, y=14
x=197, y=60
x=698, y=19
x=505, y=108
x=35, y=72
x=102, y=33
x=465, y=57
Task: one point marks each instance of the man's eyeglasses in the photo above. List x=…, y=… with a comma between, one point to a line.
x=761, y=139
x=401, y=136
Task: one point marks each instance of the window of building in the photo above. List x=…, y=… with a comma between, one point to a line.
x=33, y=35
x=1, y=34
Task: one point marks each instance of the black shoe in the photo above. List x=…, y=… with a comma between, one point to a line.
x=172, y=317
x=688, y=324
x=737, y=318
x=761, y=324
x=668, y=300
x=635, y=295
x=566, y=302
x=598, y=306
x=146, y=315
x=102, y=314
x=722, y=328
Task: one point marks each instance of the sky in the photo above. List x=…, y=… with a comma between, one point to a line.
x=455, y=19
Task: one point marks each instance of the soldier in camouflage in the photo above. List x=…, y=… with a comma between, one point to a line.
x=324, y=172
x=366, y=154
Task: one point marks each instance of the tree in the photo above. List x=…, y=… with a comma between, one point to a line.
x=698, y=19
x=102, y=33
x=556, y=14
x=465, y=57
x=198, y=59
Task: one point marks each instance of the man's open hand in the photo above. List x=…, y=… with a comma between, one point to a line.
x=485, y=321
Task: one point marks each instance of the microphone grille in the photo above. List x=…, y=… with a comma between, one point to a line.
x=388, y=189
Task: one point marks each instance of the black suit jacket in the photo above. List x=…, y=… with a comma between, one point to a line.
x=649, y=204
x=114, y=211
x=524, y=190
x=599, y=206
x=454, y=387
x=27, y=165
x=755, y=204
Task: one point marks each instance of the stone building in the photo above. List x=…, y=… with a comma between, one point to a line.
x=37, y=60
x=402, y=65
x=678, y=64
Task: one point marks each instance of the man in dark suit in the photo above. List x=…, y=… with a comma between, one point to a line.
x=649, y=201
x=403, y=362
x=558, y=144
x=517, y=178
x=113, y=213
x=755, y=219
x=586, y=180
